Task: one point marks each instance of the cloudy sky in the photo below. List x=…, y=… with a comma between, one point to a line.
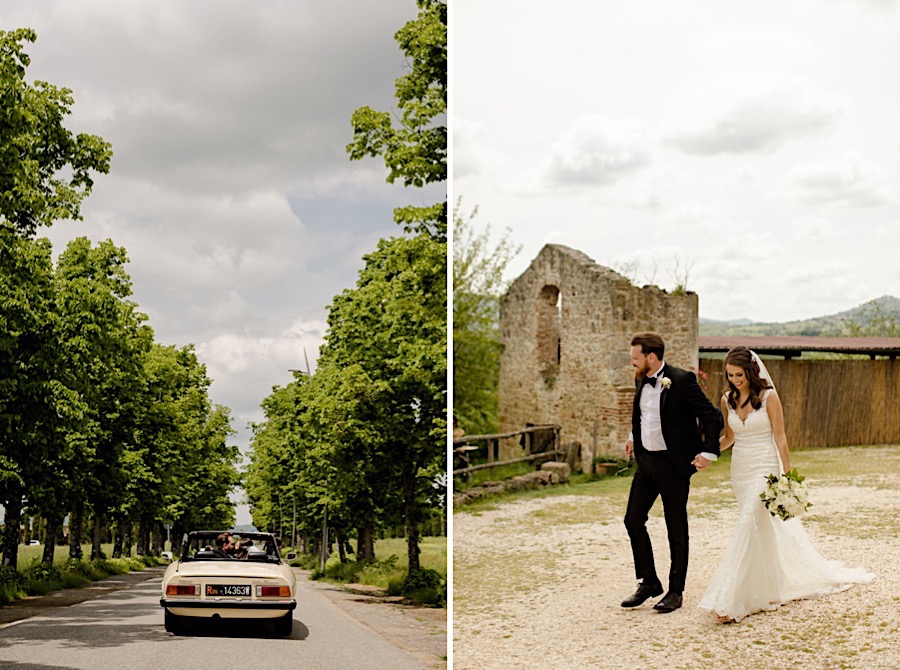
x=755, y=145
x=230, y=186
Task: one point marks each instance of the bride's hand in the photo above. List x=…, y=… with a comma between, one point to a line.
x=700, y=462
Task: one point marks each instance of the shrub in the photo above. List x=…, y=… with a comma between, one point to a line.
x=40, y=578
x=12, y=584
x=305, y=561
x=425, y=587
x=395, y=586
x=9, y=576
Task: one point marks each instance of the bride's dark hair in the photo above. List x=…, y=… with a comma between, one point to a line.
x=741, y=357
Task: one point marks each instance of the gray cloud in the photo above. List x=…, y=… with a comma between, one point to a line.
x=738, y=114
x=847, y=181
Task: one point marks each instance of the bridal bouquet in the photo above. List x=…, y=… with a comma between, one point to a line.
x=786, y=496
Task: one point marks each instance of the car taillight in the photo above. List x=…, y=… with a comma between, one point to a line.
x=181, y=590
x=273, y=591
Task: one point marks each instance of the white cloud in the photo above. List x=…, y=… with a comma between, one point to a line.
x=242, y=364
x=808, y=229
x=754, y=44
x=847, y=180
x=597, y=151
x=747, y=113
x=471, y=156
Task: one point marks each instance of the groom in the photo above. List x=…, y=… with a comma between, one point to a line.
x=669, y=412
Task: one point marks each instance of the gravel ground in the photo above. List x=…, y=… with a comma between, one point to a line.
x=538, y=579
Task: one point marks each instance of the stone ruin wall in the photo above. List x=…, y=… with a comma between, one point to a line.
x=566, y=325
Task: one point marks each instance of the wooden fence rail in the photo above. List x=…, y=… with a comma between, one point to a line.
x=462, y=450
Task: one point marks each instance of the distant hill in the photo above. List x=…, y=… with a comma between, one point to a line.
x=856, y=321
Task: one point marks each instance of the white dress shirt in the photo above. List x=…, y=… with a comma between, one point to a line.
x=651, y=424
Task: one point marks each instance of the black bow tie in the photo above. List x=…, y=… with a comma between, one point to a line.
x=648, y=380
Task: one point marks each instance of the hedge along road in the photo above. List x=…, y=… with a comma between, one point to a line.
x=124, y=629
x=538, y=577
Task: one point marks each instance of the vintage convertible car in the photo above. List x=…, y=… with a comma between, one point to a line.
x=208, y=583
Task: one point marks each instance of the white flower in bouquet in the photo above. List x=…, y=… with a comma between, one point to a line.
x=786, y=496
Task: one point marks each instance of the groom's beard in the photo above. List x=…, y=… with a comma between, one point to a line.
x=640, y=373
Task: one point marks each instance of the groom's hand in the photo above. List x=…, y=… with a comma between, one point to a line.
x=700, y=462
x=629, y=448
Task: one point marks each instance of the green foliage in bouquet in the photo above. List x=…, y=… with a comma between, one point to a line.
x=786, y=496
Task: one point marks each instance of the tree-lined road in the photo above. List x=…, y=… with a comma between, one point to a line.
x=124, y=629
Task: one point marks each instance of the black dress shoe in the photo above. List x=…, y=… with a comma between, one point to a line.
x=670, y=603
x=643, y=592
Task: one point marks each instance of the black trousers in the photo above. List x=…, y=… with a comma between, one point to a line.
x=656, y=477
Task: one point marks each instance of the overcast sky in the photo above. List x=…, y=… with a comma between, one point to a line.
x=230, y=186
x=756, y=143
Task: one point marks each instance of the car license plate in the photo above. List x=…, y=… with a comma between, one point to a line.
x=228, y=590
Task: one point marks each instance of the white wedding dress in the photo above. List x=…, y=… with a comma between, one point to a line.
x=768, y=561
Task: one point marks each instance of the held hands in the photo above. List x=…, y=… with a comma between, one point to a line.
x=700, y=462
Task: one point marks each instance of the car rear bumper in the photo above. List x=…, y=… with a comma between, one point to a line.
x=284, y=606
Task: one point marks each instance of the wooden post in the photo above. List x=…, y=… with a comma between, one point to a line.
x=324, y=557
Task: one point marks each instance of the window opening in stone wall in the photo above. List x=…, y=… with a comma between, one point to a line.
x=549, y=332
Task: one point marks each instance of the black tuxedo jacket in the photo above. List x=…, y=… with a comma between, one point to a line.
x=690, y=422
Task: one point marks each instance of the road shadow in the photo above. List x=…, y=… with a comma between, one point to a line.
x=239, y=628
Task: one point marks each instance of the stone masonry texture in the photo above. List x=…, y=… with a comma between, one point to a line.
x=566, y=325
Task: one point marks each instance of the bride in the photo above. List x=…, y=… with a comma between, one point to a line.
x=768, y=561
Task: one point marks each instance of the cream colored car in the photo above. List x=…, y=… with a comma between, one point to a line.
x=208, y=583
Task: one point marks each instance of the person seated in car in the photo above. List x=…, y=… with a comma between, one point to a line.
x=224, y=545
x=241, y=547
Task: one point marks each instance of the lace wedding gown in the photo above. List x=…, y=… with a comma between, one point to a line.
x=768, y=561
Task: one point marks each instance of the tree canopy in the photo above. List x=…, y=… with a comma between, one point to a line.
x=45, y=170
x=414, y=150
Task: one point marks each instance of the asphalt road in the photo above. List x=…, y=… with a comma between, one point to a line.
x=123, y=630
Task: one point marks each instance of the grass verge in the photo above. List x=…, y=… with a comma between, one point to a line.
x=390, y=572
x=33, y=578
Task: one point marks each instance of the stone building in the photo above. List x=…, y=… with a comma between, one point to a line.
x=566, y=325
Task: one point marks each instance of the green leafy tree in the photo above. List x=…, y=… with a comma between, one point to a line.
x=105, y=342
x=365, y=435
x=28, y=363
x=393, y=327
x=45, y=170
x=179, y=465
x=415, y=150
x=478, y=285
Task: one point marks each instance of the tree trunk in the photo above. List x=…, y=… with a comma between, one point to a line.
x=126, y=537
x=365, y=543
x=143, y=539
x=118, y=538
x=97, y=537
x=411, y=513
x=53, y=524
x=76, y=530
x=12, y=519
x=340, y=543
x=159, y=539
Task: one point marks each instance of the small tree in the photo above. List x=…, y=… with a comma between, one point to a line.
x=477, y=288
